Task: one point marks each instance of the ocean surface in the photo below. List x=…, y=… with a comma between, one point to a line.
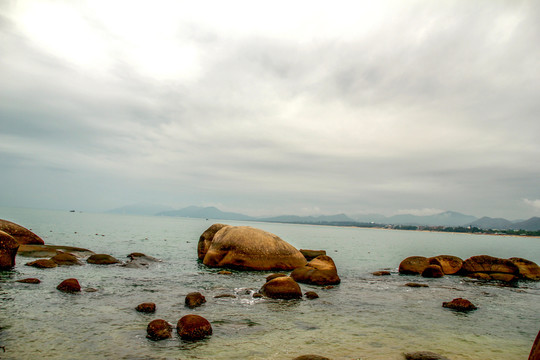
x=365, y=317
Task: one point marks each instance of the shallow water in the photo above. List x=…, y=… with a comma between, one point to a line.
x=365, y=317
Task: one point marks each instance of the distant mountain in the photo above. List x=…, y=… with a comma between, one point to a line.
x=533, y=224
x=447, y=218
x=321, y=219
x=140, y=209
x=210, y=212
x=492, y=223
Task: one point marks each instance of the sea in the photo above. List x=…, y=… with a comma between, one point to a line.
x=365, y=317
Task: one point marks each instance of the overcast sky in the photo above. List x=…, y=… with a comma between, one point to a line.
x=266, y=108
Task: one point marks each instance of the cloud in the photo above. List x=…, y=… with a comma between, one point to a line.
x=420, y=212
x=534, y=203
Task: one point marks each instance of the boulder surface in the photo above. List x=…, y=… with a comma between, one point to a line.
x=319, y=271
x=283, y=287
x=8, y=251
x=193, y=327
x=21, y=234
x=413, y=265
x=158, y=329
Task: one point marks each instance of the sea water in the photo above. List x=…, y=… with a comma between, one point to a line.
x=365, y=317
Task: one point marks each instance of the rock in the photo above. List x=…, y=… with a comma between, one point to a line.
x=424, y=355
x=193, y=327
x=8, y=251
x=220, y=296
x=21, y=234
x=527, y=269
x=413, y=265
x=206, y=239
x=42, y=264
x=247, y=248
x=535, y=351
x=415, y=285
x=489, y=264
x=311, y=295
x=224, y=272
x=282, y=288
x=139, y=261
x=30, y=281
x=319, y=271
x=381, y=273
x=460, y=304
x=273, y=276
x=51, y=250
x=312, y=254
x=148, y=307
x=257, y=295
x=158, y=329
x=194, y=300
x=311, y=357
x=448, y=263
x=66, y=259
x=102, y=259
x=69, y=285
x=433, y=271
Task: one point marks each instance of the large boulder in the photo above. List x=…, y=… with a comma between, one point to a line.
x=21, y=234
x=206, y=239
x=319, y=271
x=490, y=268
x=433, y=271
x=448, y=263
x=247, y=248
x=413, y=265
x=527, y=269
x=193, y=327
x=283, y=287
x=8, y=251
x=535, y=350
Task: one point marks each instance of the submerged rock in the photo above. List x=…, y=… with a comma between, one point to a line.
x=381, y=273
x=29, y=281
x=42, y=264
x=283, y=287
x=70, y=286
x=449, y=264
x=311, y=357
x=51, y=250
x=194, y=299
x=66, y=259
x=319, y=271
x=460, y=304
x=413, y=265
x=102, y=259
x=424, y=355
x=147, y=307
x=21, y=234
x=416, y=285
x=8, y=251
x=158, y=329
x=311, y=295
x=193, y=327
x=139, y=261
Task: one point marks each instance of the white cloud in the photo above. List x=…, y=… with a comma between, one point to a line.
x=534, y=203
x=420, y=212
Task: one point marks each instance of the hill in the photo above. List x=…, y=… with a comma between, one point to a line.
x=140, y=209
x=447, y=218
x=492, y=223
x=209, y=212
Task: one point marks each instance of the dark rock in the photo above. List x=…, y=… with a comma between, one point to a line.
x=312, y=254
x=415, y=285
x=66, y=259
x=413, y=265
x=273, y=276
x=194, y=300
x=282, y=288
x=311, y=295
x=148, y=307
x=193, y=327
x=224, y=272
x=432, y=271
x=42, y=264
x=30, y=281
x=257, y=295
x=381, y=273
x=69, y=285
x=158, y=329
x=21, y=234
x=535, y=351
x=220, y=296
x=102, y=259
x=311, y=357
x=448, y=263
x=319, y=271
x=8, y=251
x=460, y=304
x=527, y=269
x=424, y=355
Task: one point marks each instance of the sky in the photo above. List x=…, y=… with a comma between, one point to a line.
x=268, y=108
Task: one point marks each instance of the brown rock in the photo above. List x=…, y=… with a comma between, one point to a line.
x=413, y=265
x=206, y=239
x=193, y=327
x=220, y=296
x=432, y=271
x=21, y=234
x=102, y=259
x=194, y=300
x=30, y=281
x=311, y=357
x=224, y=272
x=424, y=355
x=381, y=273
x=527, y=269
x=535, y=351
x=148, y=307
x=69, y=285
x=158, y=329
x=8, y=251
x=273, y=276
x=460, y=304
x=319, y=271
x=448, y=263
x=247, y=248
x=66, y=259
x=42, y=264
x=312, y=254
x=489, y=264
x=282, y=288
x=311, y=295
x=416, y=285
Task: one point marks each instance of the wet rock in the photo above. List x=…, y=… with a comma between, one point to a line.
x=220, y=296
x=416, y=285
x=424, y=355
x=257, y=295
x=311, y=295
x=51, y=250
x=381, y=273
x=206, y=239
x=311, y=357
x=273, y=276
x=460, y=304
x=30, y=281
x=432, y=271
x=413, y=265
x=247, y=248
x=66, y=259
x=319, y=271
x=42, y=264
x=139, y=261
x=8, y=251
x=194, y=299
x=527, y=269
x=193, y=327
x=449, y=264
x=102, y=259
x=495, y=268
x=282, y=288
x=21, y=234
x=224, y=272
x=147, y=307
x=535, y=351
x=312, y=254
x=158, y=329
x=70, y=286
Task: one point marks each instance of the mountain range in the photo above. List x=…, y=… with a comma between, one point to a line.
x=446, y=219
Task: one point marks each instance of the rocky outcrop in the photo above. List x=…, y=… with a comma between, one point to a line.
x=158, y=329
x=433, y=271
x=193, y=327
x=527, y=269
x=21, y=234
x=312, y=254
x=194, y=299
x=102, y=259
x=8, y=251
x=42, y=264
x=490, y=268
x=38, y=251
x=424, y=355
x=283, y=287
x=413, y=265
x=535, y=351
x=460, y=304
x=147, y=307
x=70, y=286
x=319, y=271
x=247, y=248
x=448, y=263
x=66, y=259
